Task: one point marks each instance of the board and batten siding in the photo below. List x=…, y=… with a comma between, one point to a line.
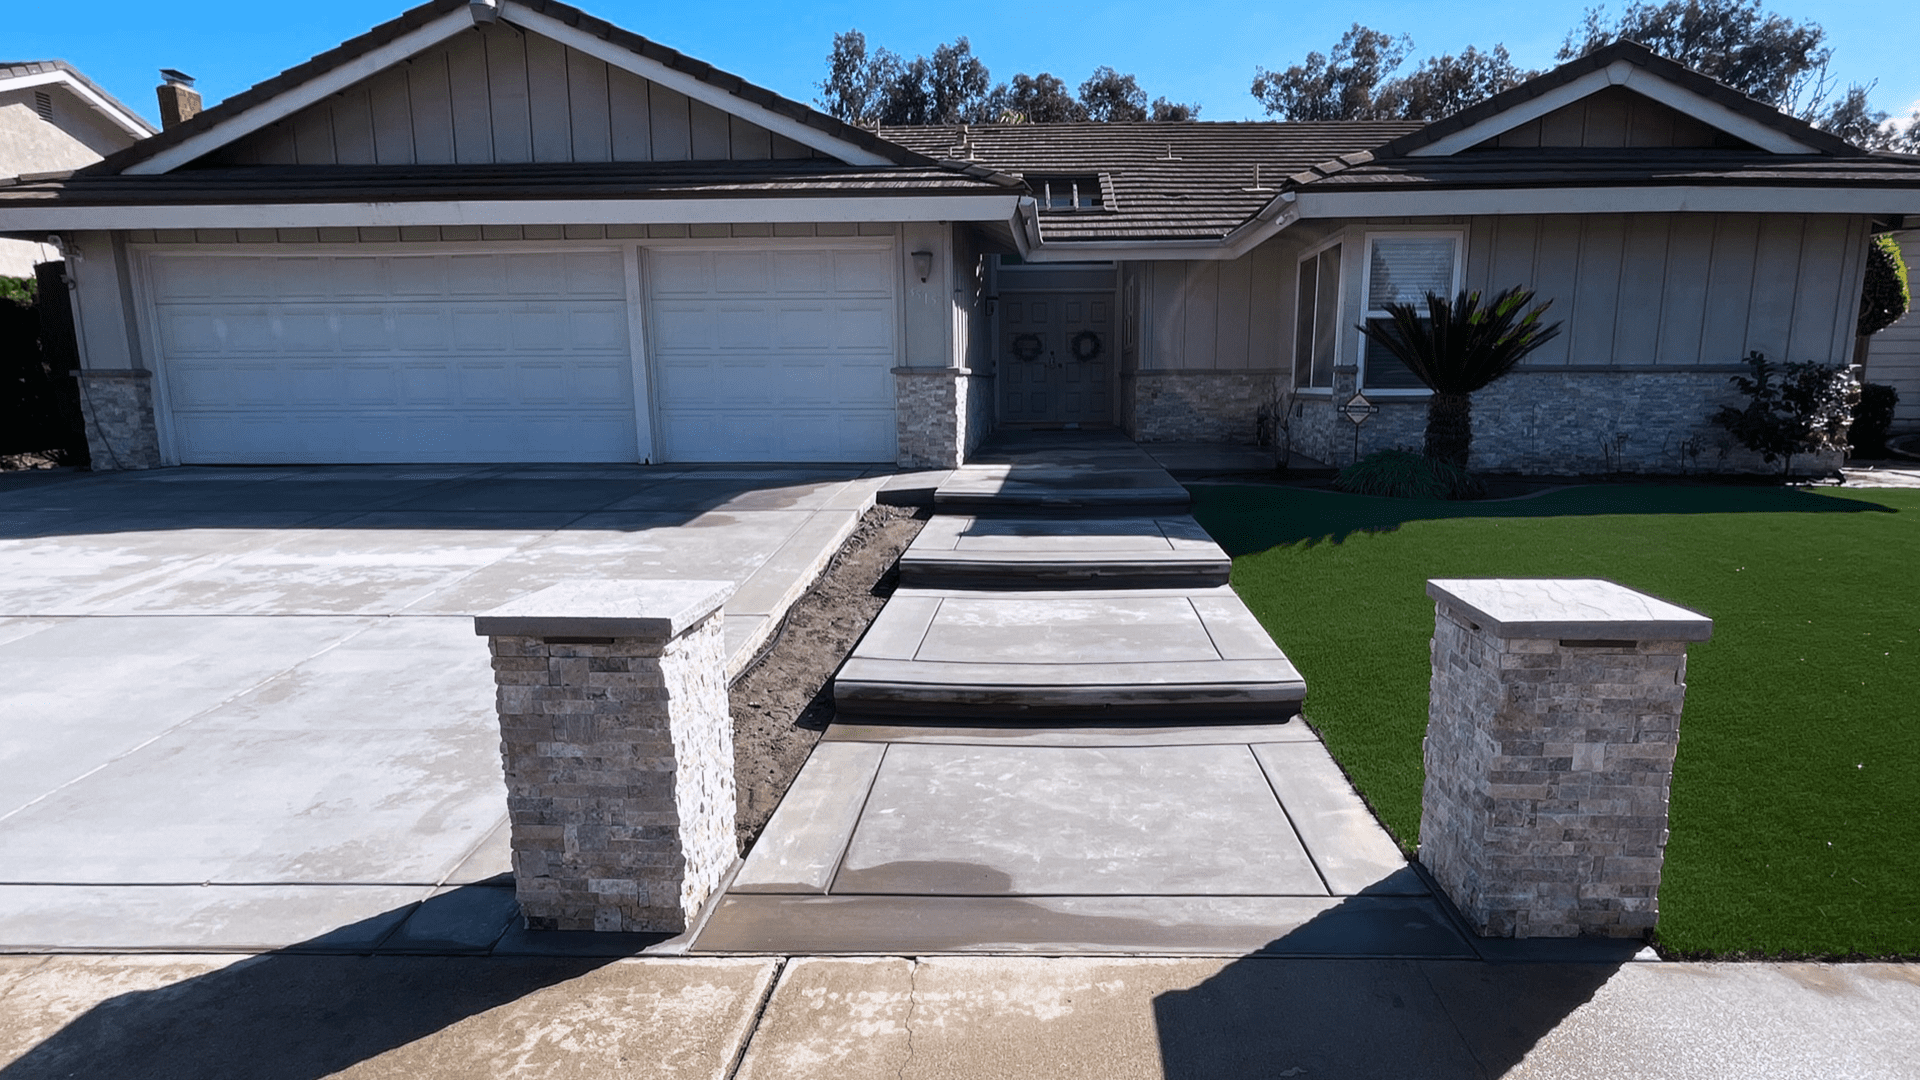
x=1614, y=117
x=1665, y=290
x=1218, y=315
x=1893, y=354
x=1633, y=290
x=497, y=94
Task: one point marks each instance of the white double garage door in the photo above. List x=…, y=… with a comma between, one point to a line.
x=570, y=355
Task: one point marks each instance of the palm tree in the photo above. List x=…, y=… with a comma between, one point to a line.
x=1459, y=346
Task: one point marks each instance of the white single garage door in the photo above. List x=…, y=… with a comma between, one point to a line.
x=782, y=354
x=272, y=358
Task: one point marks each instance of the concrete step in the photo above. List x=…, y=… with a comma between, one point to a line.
x=964, y=551
x=1178, y=655
x=1059, y=473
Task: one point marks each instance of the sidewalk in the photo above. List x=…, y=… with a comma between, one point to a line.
x=767, y=1018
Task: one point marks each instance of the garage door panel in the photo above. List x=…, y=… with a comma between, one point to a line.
x=424, y=329
x=475, y=275
x=804, y=327
x=479, y=331
x=358, y=277
x=741, y=272
x=600, y=328
x=672, y=273
x=863, y=326
x=601, y=383
x=428, y=384
x=781, y=354
x=362, y=330
x=487, y=384
x=801, y=271
x=370, y=384
x=868, y=271
x=494, y=357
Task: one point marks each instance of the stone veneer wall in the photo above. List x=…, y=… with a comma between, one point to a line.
x=940, y=415
x=1545, y=422
x=1194, y=406
x=118, y=408
x=1548, y=769
x=620, y=783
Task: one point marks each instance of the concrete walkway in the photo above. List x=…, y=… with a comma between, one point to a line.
x=298, y=1017
x=1065, y=733
x=246, y=709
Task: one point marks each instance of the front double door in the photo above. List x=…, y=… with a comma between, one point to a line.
x=1056, y=358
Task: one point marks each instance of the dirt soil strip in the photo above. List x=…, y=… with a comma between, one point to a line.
x=784, y=701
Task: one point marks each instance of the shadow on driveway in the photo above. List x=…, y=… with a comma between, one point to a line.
x=307, y=1011
x=1272, y=1014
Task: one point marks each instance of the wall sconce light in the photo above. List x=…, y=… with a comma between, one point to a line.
x=923, y=264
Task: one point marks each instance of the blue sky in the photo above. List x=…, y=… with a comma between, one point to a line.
x=1200, y=50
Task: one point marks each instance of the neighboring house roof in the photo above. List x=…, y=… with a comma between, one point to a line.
x=26, y=73
x=281, y=184
x=342, y=60
x=1191, y=180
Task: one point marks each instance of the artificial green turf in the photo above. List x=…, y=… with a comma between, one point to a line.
x=1796, y=793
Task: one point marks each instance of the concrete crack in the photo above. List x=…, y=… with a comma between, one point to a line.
x=913, y=1001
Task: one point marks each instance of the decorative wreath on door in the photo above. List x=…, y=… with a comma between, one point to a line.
x=1028, y=346
x=1086, y=345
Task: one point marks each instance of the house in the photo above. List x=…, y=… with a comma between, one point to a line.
x=53, y=119
x=504, y=230
x=1893, y=354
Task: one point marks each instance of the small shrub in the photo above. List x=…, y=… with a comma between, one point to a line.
x=1871, y=419
x=1807, y=408
x=20, y=290
x=1404, y=474
x=1886, y=293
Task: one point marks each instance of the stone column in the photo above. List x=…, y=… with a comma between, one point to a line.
x=618, y=748
x=1552, y=723
x=930, y=416
x=117, y=406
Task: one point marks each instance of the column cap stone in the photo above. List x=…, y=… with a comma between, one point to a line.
x=661, y=610
x=1568, y=608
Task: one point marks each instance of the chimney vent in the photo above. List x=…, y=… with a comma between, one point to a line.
x=179, y=101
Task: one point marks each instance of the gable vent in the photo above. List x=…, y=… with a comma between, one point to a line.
x=43, y=104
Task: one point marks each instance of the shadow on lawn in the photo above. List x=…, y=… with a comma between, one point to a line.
x=1248, y=519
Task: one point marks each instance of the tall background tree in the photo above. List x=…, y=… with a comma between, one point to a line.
x=953, y=86
x=1758, y=52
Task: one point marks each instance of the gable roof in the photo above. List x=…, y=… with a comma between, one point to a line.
x=1639, y=68
x=430, y=23
x=21, y=74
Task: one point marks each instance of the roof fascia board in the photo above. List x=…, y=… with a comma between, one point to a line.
x=293, y=100
x=42, y=219
x=1634, y=77
x=655, y=71
x=1681, y=199
x=112, y=110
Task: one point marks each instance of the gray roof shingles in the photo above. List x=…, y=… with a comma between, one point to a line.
x=1170, y=181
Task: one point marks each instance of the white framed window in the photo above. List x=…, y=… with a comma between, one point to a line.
x=1316, y=319
x=1403, y=268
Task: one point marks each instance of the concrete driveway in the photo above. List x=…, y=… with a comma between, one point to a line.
x=244, y=708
